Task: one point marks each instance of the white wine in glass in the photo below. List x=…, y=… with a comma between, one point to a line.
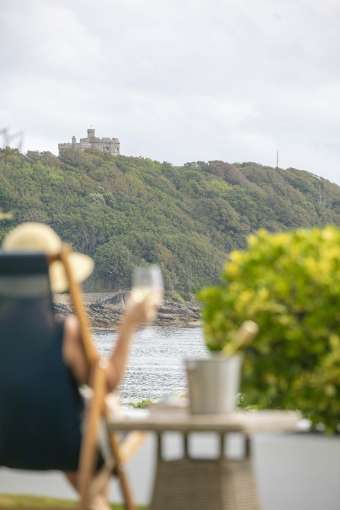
x=147, y=281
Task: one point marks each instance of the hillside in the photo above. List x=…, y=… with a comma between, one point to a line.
x=126, y=210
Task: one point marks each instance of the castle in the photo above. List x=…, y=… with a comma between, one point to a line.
x=107, y=145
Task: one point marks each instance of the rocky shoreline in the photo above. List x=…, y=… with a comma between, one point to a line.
x=105, y=310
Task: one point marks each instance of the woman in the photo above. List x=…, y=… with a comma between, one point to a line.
x=29, y=237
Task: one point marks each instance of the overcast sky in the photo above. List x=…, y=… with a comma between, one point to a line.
x=177, y=80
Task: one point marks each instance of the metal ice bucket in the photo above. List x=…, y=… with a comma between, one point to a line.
x=213, y=384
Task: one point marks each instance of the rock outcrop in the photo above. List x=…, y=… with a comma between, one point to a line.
x=105, y=311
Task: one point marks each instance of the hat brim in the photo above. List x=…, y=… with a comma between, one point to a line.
x=81, y=267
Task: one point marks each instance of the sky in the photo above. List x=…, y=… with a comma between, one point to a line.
x=177, y=80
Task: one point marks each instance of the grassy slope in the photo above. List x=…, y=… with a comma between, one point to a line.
x=25, y=502
x=125, y=210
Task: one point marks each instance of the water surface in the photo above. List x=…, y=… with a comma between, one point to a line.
x=156, y=361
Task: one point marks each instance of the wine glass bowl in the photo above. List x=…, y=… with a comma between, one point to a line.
x=147, y=282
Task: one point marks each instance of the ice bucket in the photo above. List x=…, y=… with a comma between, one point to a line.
x=213, y=384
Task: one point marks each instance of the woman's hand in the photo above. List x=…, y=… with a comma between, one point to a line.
x=139, y=312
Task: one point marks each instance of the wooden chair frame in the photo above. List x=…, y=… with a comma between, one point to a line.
x=97, y=408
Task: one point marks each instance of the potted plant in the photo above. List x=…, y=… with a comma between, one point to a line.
x=289, y=283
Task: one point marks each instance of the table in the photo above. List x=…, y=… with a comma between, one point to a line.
x=205, y=484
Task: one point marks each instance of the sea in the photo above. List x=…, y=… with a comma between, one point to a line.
x=156, y=367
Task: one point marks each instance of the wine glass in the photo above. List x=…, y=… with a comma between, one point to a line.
x=147, y=281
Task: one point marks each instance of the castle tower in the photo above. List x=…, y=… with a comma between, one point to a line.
x=91, y=133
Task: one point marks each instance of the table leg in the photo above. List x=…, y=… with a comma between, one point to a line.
x=186, y=445
x=201, y=484
x=222, y=442
x=159, y=446
x=247, y=447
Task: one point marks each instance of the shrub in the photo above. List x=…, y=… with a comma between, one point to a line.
x=289, y=283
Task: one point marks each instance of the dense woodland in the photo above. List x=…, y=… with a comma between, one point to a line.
x=124, y=211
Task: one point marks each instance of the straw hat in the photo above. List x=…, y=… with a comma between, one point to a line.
x=40, y=237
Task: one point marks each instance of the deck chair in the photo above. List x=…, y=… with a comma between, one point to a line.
x=31, y=357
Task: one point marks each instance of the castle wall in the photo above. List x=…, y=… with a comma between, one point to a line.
x=106, y=145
